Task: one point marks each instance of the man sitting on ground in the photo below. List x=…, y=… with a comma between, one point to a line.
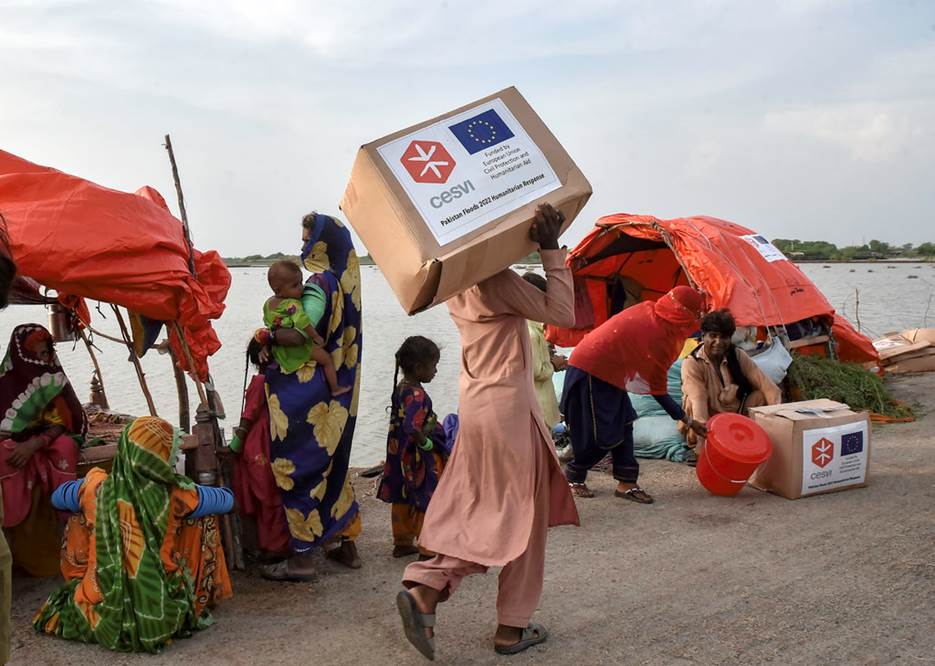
x=719, y=377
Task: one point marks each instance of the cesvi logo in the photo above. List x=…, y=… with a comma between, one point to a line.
x=428, y=162
x=822, y=452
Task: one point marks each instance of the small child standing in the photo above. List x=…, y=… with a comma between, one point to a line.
x=284, y=310
x=417, y=446
x=253, y=484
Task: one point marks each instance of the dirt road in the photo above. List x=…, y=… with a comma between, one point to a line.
x=842, y=579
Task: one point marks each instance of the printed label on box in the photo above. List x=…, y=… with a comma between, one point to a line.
x=834, y=457
x=469, y=169
x=766, y=249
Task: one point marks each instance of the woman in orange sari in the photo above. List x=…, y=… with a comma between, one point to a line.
x=142, y=558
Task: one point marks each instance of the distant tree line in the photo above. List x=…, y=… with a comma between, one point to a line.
x=792, y=248
x=875, y=249
x=266, y=260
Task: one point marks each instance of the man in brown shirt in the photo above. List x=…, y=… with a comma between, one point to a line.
x=718, y=377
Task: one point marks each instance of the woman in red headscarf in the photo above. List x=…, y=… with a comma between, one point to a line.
x=632, y=351
x=41, y=425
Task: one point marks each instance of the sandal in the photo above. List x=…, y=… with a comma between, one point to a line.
x=580, y=490
x=415, y=622
x=372, y=472
x=531, y=635
x=635, y=494
x=280, y=572
x=691, y=458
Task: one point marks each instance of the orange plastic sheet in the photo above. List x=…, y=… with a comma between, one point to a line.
x=90, y=242
x=733, y=265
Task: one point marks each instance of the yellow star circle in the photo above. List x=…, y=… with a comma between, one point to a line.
x=493, y=131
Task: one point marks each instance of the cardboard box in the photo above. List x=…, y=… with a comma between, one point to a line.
x=819, y=446
x=909, y=351
x=447, y=203
x=920, y=335
x=914, y=364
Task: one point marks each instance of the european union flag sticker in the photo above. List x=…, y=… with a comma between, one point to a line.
x=482, y=131
x=851, y=443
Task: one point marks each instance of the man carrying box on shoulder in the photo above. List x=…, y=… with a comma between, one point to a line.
x=503, y=486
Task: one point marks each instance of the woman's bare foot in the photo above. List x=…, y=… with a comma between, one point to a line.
x=301, y=564
x=341, y=390
x=345, y=554
x=405, y=550
x=298, y=568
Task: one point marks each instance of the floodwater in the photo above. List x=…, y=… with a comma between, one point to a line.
x=889, y=300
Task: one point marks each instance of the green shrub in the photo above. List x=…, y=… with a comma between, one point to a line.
x=815, y=377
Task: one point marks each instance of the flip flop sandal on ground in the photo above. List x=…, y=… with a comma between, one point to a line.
x=415, y=623
x=372, y=472
x=280, y=572
x=691, y=458
x=636, y=494
x=580, y=490
x=531, y=635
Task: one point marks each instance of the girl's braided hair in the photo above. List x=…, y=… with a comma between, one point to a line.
x=415, y=350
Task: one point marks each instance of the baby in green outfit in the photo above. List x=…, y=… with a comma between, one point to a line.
x=284, y=310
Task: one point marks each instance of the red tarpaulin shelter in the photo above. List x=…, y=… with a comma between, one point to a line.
x=733, y=265
x=90, y=242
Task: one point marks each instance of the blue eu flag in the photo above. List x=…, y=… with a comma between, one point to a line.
x=851, y=443
x=482, y=131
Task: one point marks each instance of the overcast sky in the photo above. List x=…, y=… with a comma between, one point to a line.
x=801, y=118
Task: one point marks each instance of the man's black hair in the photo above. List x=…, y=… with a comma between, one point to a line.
x=719, y=321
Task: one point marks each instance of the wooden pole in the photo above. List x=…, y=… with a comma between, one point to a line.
x=178, y=191
x=191, y=364
x=135, y=361
x=857, y=308
x=181, y=388
x=230, y=523
x=97, y=367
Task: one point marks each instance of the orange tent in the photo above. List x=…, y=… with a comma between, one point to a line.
x=737, y=268
x=86, y=241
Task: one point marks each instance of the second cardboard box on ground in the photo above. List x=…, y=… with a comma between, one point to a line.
x=819, y=446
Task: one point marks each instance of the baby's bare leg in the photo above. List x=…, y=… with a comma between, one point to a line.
x=323, y=359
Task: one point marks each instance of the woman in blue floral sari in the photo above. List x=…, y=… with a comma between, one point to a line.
x=310, y=430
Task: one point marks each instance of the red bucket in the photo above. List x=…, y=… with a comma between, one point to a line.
x=734, y=448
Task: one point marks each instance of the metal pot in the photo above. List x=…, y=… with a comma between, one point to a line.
x=61, y=323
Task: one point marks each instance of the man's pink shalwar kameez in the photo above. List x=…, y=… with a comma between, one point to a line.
x=503, y=486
